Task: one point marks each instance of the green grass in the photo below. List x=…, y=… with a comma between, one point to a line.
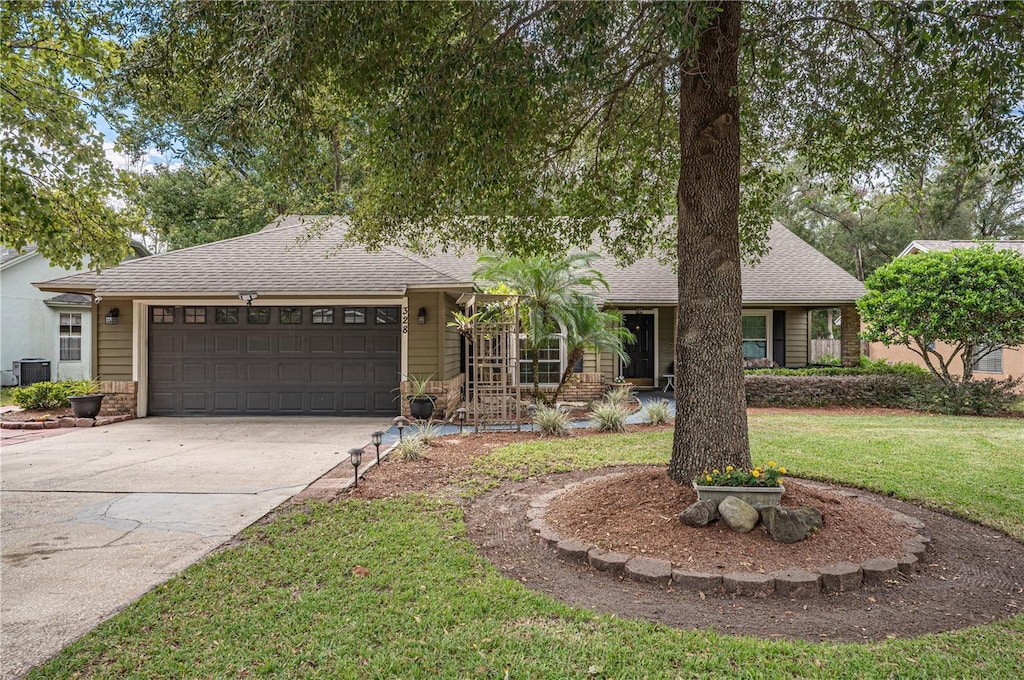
x=285, y=601
x=6, y=396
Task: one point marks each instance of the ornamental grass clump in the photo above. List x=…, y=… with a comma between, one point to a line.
x=609, y=417
x=551, y=421
x=658, y=412
x=768, y=475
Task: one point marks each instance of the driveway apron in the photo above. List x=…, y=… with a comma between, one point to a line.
x=91, y=520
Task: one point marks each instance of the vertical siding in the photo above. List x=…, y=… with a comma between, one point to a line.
x=114, y=343
x=424, y=346
x=797, y=350
x=666, y=340
x=452, y=349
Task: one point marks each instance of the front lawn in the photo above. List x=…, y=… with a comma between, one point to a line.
x=288, y=601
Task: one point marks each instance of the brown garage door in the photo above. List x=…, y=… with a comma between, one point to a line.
x=325, y=360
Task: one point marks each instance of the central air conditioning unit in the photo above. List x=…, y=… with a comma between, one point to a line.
x=30, y=371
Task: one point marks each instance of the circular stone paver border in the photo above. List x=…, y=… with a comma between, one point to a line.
x=789, y=583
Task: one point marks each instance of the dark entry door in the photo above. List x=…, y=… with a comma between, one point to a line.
x=641, y=351
x=325, y=360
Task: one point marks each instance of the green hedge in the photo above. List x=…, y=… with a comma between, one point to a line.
x=793, y=389
x=42, y=396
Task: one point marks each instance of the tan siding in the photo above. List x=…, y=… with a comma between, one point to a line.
x=114, y=343
x=452, y=350
x=423, y=338
x=796, y=337
x=666, y=340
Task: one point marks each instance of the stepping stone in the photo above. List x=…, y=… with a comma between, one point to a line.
x=649, y=570
x=696, y=580
x=606, y=560
x=796, y=583
x=841, y=577
x=878, y=570
x=748, y=583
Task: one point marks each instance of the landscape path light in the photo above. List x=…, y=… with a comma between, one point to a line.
x=460, y=415
x=400, y=422
x=377, y=437
x=357, y=458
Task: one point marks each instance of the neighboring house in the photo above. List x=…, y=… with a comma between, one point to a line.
x=36, y=325
x=1004, y=362
x=274, y=323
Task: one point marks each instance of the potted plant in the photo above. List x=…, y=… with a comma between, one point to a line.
x=761, y=487
x=85, y=398
x=421, y=401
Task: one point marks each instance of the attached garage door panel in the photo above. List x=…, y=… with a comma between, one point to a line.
x=302, y=360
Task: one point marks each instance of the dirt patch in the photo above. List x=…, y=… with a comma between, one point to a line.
x=26, y=416
x=638, y=514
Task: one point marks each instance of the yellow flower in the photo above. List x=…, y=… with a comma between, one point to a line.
x=728, y=468
x=707, y=477
x=782, y=470
x=771, y=463
x=755, y=472
x=716, y=471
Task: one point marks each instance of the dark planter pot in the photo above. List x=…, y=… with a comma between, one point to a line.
x=421, y=408
x=87, y=406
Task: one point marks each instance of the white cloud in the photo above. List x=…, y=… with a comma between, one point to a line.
x=146, y=163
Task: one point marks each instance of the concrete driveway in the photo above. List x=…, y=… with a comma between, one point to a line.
x=94, y=518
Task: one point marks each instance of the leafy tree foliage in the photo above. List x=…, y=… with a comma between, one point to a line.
x=531, y=127
x=593, y=328
x=57, y=182
x=969, y=298
x=190, y=206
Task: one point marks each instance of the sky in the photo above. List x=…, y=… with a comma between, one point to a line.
x=147, y=163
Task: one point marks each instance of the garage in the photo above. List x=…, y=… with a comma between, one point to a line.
x=236, y=360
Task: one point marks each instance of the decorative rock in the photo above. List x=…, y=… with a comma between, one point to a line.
x=841, y=577
x=573, y=548
x=796, y=583
x=51, y=424
x=926, y=540
x=700, y=514
x=696, y=580
x=746, y=583
x=605, y=560
x=790, y=525
x=907, y=564
x=649, y=570
x=33, y=426
x=535, y=513
x=878, y=570
x=537, y=525
x=67, y=422
x=740, y=516
x=907, y=520
x=84, y=422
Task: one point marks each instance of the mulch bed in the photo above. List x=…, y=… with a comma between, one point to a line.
x=973, y=575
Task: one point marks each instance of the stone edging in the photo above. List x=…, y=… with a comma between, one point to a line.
x=66, y=421
x=792, y=583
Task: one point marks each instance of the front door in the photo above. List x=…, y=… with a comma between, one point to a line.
x=640, y=369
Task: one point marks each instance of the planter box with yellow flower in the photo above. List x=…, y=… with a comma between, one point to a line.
x=761, y=487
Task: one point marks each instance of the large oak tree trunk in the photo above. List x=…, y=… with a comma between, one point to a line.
x=711, y=421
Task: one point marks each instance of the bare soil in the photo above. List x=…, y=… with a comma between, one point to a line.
x=973, y=575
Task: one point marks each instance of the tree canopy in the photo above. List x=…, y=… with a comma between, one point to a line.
x=57, y=184
x=970, y=299
x=536, y=126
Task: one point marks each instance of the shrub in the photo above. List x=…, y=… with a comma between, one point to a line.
x=658, y=412
x=41, y=396
x=977, y=397
x=620, y=395
x=409, y=448
x=551, y=421
x=610, y=417
x=866, y=367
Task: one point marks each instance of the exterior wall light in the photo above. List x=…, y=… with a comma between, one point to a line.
x=111, y=318
x=421, y=316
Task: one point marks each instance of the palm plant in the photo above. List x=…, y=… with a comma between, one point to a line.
x=593, y=328
x=550, y=286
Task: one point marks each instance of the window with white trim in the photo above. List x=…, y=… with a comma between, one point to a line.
x=755, y=336
x=549, y=364
x=986, y=361
x=70, y=336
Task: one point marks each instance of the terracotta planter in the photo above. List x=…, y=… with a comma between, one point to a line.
x=87, y=406
x=757, y=496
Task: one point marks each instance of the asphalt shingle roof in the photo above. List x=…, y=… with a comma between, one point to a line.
x=279, y=260
x=928, y=244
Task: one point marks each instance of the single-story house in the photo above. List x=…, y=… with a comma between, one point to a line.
x=278, y=323
x=1004, y=362
x=52, y=332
